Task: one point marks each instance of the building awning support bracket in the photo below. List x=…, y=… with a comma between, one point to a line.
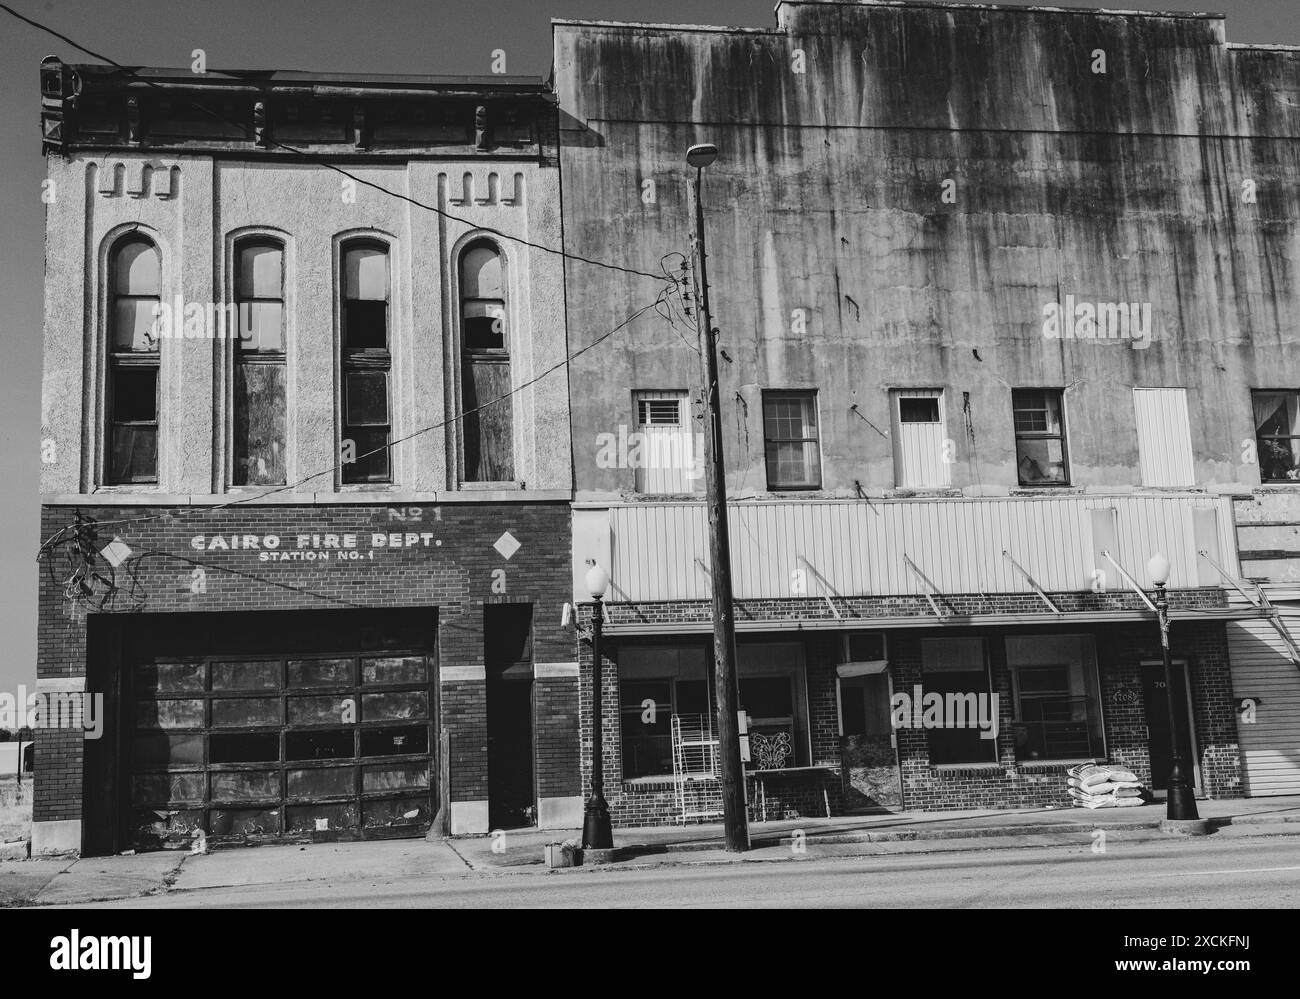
x=1131, y=581
x=822, y=579
x=932, y=590
x=1260, y=601
x=1032, y=582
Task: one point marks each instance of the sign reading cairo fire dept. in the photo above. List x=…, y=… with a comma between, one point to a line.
x=315, y=547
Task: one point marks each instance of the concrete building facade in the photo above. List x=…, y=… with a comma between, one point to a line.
x=306, y=477
x=1002, y=306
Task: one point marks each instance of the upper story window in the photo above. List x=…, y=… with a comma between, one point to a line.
x=1164, y=437
x=258, y=392
x=667, y=462
x=790, y=440
x=133, y=357
x=919, y=439
x=1277, y=435
x=1040, y=437
x=366, y=362
x=487, y=426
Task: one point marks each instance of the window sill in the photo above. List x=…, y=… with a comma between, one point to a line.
x=1051, y=766
x=471, y=487
x=959, y=767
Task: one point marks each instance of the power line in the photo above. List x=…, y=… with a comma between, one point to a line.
x=255, y=497
x=317, y=161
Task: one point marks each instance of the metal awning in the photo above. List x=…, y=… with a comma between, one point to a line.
x=950, y=621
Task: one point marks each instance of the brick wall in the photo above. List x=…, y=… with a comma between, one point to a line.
x=1005, y=781
x=449, y=564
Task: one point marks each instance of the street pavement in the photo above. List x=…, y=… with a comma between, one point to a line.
x=506, y=868
x=1246, y=872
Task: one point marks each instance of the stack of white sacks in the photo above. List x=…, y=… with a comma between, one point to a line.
x=1096, y=786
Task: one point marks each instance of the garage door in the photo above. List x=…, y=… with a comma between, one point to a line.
x=267, y=747
x=1270, y=746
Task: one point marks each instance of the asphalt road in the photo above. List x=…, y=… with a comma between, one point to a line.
x=1261, y=872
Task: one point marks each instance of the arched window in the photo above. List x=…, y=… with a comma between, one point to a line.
x=366, y=361
x=258, y=393
x=133, y=340
x=487, y=429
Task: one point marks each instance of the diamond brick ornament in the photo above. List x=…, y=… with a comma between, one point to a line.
x=507, y=545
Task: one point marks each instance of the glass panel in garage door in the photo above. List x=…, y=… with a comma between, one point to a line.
x=258, y=748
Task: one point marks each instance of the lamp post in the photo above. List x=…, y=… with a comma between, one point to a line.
x=597, y=831
x=1181, y=800
x=735, y=824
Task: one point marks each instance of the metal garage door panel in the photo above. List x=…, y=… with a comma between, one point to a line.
x=1270, y=746
x=265, y=747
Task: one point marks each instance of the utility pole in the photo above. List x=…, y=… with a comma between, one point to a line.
x=735, y=823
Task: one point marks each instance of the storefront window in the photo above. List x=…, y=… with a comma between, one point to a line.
x=1058, y=707
x=656, y=682
x=958, y=667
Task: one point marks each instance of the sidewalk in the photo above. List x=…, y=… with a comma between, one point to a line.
x=72, y=881
x=898, y=832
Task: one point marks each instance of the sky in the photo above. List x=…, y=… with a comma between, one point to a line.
x=353, y=36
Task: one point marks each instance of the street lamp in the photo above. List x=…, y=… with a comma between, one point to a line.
x=734, y=820
x=597, y=831
x=1181, y=801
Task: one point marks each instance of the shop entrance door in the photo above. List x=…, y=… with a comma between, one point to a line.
x=872, y=779
x=512, y=797
x=1157, y=718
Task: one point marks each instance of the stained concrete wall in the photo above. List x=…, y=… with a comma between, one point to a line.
x=828, y=196
x=194, y=207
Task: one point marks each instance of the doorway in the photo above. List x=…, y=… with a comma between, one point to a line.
x=508, y=654
x=1157, y=721
x=868, y=745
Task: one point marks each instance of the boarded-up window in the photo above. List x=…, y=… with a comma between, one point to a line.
x=1164, y=437
x=487, y=427
x=669, y=459
x=133, y=338
x=259, y=377
x=366, y=363
x=919, y=451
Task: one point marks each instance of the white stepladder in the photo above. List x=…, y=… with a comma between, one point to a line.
x=696, y=767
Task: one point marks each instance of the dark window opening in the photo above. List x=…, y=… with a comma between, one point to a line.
x=133, y=359
x=918, y=410
x=366, y=363
x=1277, y=435
x=1040, y=437
x=791, y=441
x=258, y=388
x=487, y=427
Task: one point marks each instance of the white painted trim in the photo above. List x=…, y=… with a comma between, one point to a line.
x=555, y=671
x=61, y=683
x=469, y=817
x=560, y=813
x=62, y=836
x=461, y=674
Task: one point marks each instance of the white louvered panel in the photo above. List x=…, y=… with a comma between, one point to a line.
x=858, y=547
x=1270, y=747
x=1164, y=437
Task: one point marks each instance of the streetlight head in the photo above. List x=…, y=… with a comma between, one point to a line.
x=597, y=581
x=702, y=155
x=1158, y=569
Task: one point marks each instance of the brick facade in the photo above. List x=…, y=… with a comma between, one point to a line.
x=446, y=562
x=1007, y=783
